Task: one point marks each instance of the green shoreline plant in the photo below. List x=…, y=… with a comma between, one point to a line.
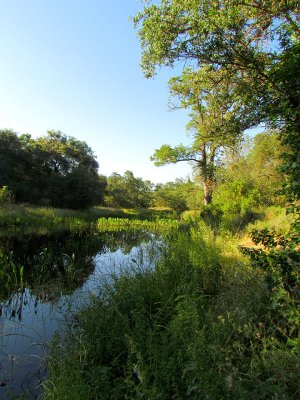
x=17, y=217
x=119, y=224
x=198, y=325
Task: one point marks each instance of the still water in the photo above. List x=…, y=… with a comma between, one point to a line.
x=44, y=279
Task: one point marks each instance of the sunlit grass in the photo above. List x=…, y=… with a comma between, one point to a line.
x=23, y=216
x=275, y=217
x=197, y=326
x=119, y=224
x=190, y=215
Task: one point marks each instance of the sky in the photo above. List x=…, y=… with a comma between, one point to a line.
x=74, y=66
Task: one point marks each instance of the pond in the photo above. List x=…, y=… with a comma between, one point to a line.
x=44, y=278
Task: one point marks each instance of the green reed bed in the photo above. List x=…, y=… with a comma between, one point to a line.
x=198, y=326
x=120, y=224
x=16, y=218
x=11, y=275
x=26, y=219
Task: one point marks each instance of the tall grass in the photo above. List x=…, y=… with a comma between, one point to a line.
x=198, y=326
x=17, y=218
x=119, y=224
x=20, y=218
x=273, y=216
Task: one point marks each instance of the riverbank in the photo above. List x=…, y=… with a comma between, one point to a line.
x=23, y=217
x=200, y=325
x=44, y=278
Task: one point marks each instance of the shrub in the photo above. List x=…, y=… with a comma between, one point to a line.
x=6, y=196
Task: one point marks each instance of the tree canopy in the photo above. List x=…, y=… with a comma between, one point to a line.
x=128, y=191
x=55, y=170
x=252, y=47
x=214, y=126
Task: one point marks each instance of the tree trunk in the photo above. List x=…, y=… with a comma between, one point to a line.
x=207, y=173
x=207, y=186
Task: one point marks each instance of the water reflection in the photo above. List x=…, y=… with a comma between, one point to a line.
x=42, y=279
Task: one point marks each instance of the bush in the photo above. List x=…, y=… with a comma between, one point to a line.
x=278, y=256
x=6, y=196
x=212, y=215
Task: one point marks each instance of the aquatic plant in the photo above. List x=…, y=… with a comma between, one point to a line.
x=118, y=224
x=197, y=326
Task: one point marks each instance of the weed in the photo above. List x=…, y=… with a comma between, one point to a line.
x=197, y=326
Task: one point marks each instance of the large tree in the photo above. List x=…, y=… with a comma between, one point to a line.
x=70, y=171
x=253, y=46
x=214, y=126
x=16, y=166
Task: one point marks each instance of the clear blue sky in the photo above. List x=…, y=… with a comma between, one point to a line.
x=73, y=65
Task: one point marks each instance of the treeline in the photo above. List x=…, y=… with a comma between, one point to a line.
x=53, y=170
x=247, y=178
x=60, y=171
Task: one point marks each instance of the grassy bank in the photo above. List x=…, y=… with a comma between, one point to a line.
x=18, y=217
x=121, y=224
x=198, y=326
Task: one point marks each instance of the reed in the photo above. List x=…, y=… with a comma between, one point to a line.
x=197, y=326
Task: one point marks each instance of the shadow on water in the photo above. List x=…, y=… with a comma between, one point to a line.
x=43, y=277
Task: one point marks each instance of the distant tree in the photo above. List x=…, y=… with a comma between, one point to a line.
x=55, y=170
x=265, y=161
x=71, y=171
x=180, y=195
x=103, y=186
x=252, y=177
x=128, y=191
x=14, y=163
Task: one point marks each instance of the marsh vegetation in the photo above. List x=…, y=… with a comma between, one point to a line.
x=46, y=277
x=183, y=290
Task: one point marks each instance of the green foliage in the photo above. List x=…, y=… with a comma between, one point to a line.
x=127, y=191
x=20, y=219
x=272, y=216
x=249, y=53
x=279, y=257
x=16, y=219
x=54, y=170
x=248, y=180
x=212, y=215
x=123, y=224
x=174, y=30
x=168, y=155
x=277, y=254
x=263, y=164
x=6, y=196
x=197, y=326
x=179, y=195
x=213, y=124
x=246, y=184
x=251, y=177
